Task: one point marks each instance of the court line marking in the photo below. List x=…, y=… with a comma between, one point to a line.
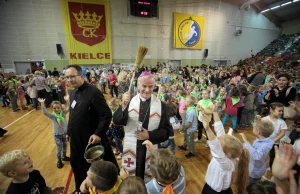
x=68, y=181
x=18, y=119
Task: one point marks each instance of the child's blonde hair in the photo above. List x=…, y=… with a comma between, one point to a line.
x=165, y=71
x=164, y=166
x=223, y=88
x=131, y=185
x=173, y=87
x=114, y=102
x=205, y=90
x=265, y=127
x=56, y=102
x=163, y=87
x=190, y=100
x=9, y=160
x=122, y=76
x=234, y=147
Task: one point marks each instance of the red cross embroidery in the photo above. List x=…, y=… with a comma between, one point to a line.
x=129, y=162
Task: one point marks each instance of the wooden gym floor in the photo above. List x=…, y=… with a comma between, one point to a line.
x=32, y=131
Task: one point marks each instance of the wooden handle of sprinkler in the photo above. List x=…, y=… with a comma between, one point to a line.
x=131, y=81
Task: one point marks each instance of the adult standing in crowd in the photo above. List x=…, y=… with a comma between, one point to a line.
x=218, y=80
x=165, y=77
x=282, y=92
x=258, y=78
x=185, y=73
x=89, y=121
x=113, y=83
x=145, y=118
x=42, y=87
x=103, y=80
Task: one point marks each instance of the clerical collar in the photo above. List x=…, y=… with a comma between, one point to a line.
x=144, y=99
x=83, y=86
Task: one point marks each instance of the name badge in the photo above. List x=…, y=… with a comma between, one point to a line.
x=73, y=104
x=140, y=126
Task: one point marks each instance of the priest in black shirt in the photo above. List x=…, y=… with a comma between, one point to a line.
x=146, y=118
x=89, y=120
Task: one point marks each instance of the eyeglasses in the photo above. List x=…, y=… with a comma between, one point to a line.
x=71, y=76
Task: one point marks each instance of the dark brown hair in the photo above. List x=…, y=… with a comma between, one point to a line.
x=105, y=175
x=262, y=187
x=274, y=105
x=77, y=67
x=172, y=109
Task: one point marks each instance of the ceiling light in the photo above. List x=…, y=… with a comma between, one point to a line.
x=295, y=1
x=275, y=7
x=286, y=4
x=265, y=10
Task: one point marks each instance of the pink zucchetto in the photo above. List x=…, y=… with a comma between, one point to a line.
x=146, y=73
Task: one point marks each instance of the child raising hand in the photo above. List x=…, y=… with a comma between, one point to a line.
x=225, y=149
x=58, y=117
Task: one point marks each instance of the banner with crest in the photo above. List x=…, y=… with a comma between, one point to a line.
x=188, y=31
x=87, y=31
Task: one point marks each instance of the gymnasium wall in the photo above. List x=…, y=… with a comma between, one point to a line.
x=291, y=27
x=32, y=28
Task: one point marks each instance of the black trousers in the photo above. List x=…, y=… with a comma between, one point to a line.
x=79, y=165
x=114, y=89
x=44, y=94
x=208, y=190
x=200, y=129
x=272, y=156
x=239, y=114
x=28, y=100
x=5, y=100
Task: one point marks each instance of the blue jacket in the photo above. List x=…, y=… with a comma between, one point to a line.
x=258, y=156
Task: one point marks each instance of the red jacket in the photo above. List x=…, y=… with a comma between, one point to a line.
x=113, y=79
x=231, y=109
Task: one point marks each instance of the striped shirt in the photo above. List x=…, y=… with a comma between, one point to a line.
x=179, y=186
x=40, y=82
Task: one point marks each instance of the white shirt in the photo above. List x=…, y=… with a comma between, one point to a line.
x=174, y=124
x=278, y=124
x=32, y=92
x=220, y=168
x=296, y=147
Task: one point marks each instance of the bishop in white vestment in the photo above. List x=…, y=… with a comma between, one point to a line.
x=145, y=118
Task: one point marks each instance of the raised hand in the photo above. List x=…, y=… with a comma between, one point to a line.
x=149, y=145
x=257, y=117
x=124, y=173
x=284, y=162
x=205, y=121
x=276, y=92
x=41, y=100
x=216, y=105
x=243, y=136
x=67, y=98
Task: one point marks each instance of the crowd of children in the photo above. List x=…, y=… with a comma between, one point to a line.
x=207, y=96
x=14, y=89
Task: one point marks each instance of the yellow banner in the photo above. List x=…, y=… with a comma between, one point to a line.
x=188, y=31
x=87, y=31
